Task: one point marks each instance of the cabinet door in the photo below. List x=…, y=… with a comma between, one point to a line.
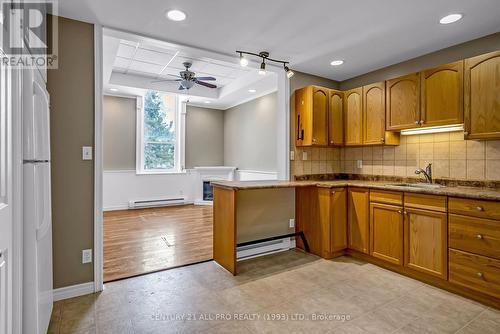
x=426, y=242
x=308, y=215
x=403, y=102
x=358, y=223
x=442, y=95
x=353, y=112
x=374, y=113
x=303, y=116
x=320, y=116
x=338, y=219
x=482, y=96
x=386, y=232
x=336, y=118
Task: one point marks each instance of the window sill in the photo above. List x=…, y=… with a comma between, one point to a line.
x=162, y=173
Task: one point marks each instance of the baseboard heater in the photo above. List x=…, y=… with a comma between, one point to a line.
x=152, y=203
x=264, y=248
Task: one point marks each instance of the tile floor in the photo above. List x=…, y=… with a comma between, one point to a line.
x=289, y=292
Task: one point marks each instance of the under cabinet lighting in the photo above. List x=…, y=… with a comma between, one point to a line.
x=434, y=129
x=450, y=18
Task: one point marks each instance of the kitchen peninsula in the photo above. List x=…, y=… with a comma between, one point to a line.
x=447, y=236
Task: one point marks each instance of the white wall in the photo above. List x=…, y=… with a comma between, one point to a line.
x=120, y=187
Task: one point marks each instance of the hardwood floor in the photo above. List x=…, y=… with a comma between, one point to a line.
x=148, y=240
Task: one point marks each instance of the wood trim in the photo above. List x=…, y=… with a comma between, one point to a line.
x=225, y=228
x=387, y=197
x=425, y=202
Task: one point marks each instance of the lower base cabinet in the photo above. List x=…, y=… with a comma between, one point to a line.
x=426, y=243
x=386, y=232
x=358, y=219
x=476, y=272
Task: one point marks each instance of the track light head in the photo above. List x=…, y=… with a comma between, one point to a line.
x=289, y=72
x=262, y=70
x=243, y=60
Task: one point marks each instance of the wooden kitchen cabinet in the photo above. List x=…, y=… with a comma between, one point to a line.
x=403, y=102
x=386, y=232
x=374, y=117
x=425, y=241
x=442, y=95
x=311, y=116
x=353, y=114
x=333, y=219
x=307, y=218
x=336, y=118
x=358, y=220
x=482, y=96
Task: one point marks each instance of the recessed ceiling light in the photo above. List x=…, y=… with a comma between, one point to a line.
x=113, y=89
x=208, y=102
x=252, y=90
x=176, y=15
x=337, y=62
x=450, y=18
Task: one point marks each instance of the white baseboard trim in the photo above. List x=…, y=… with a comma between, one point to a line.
x=73, y=291
x=116, y=208
x=265, y=248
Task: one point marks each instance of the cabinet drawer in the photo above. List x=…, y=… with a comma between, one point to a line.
x=475, y=235
x=476, y=208
x=475, y=272
x=425, y=202
x=387, y=197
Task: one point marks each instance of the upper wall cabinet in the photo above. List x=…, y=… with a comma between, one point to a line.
x=442, y=95
x=403, y=102
x=482, y=96
x=336, y=118
x=353, y=113
x=374, y=113
x=311, y=116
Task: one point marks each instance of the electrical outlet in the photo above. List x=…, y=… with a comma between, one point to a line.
x=304, y=155
x=291, y=223
x=292, y=155
x=360, y=164
x=87, y=153
x=87, y=256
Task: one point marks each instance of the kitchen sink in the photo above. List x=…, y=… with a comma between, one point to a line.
x=417, y=185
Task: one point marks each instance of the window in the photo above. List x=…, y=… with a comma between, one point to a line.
x=159, y=134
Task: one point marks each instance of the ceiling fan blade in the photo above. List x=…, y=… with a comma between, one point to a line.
x=206, y=84
x=206, y=78
x=166, y=80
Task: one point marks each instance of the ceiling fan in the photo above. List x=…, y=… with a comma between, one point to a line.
x=187, y=78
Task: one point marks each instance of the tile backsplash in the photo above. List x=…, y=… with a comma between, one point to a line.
x=451, y=157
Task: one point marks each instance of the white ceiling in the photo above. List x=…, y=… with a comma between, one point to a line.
x=133, y=64
x=366, y=34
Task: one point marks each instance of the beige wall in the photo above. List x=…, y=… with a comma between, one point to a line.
x=444, y=56
x=119, y=124
x=204, y=137
x=250, y=134
x=71, y=89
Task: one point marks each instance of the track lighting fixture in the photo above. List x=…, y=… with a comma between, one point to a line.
x=264, y=55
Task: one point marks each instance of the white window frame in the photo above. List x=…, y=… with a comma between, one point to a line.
x=179, y=121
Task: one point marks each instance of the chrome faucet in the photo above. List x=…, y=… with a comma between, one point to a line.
x=427, y=173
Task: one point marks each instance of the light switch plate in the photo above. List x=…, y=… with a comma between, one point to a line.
x=304, y=155
x=360, y=164
x=87, y=256
x=291, y=223
x=87, y=152
x=292, y=155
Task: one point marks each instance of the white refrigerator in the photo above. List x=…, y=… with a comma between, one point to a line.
x=37, y=218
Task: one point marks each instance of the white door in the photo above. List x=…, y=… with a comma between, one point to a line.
x=6, y=214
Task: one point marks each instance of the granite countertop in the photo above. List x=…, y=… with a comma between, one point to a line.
x=454, y=191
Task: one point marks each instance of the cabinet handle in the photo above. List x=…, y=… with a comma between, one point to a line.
x=333, y=192
x=466, y=133
x=382, y=140
x=479, y=208
x=314, y=140
x=479, y=236
x=405, y=212
x=421, y=122
x=331, y=141
x=400, y=212
x=480, y=275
